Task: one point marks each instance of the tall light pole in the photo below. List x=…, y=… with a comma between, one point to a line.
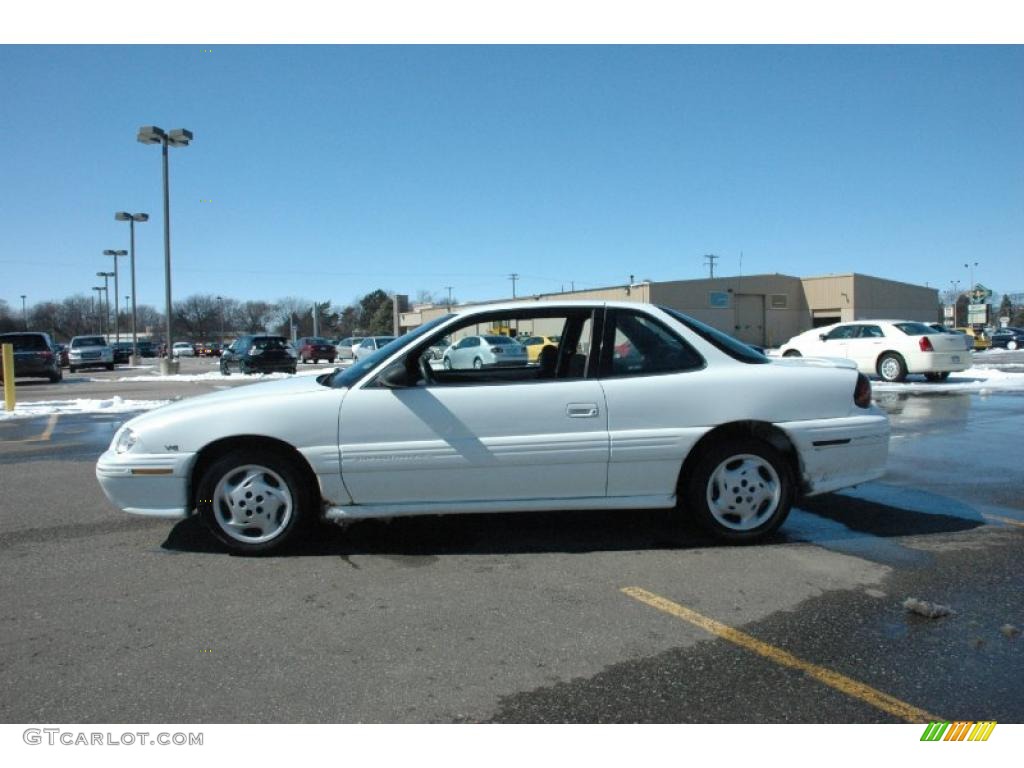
x=970, y=290
x=99, y=300
x=106, y=294
x=117, y=309
x=131, y=218
x=449, y=288
x=179, y=137
x=221, y=300
x=513, y=277
x=24, y=312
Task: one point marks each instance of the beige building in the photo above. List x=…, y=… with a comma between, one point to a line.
x=760, y=309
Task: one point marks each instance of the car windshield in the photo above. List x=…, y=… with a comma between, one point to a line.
x=732, y=347
x=915, y=329
x=346, y=377
x=88, y=341
x=25, y=342
x=270, y=342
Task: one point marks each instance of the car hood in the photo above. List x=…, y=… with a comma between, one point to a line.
x=251, y=394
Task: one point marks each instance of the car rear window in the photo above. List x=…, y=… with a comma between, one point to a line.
x=270, y=342
x=317, y=341
x=89, y=341
x=732, y=347
x=915, y=329
x=498, y=340
x=25, y=342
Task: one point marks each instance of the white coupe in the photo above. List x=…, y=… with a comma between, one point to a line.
x=643, y=407
x=888, y=348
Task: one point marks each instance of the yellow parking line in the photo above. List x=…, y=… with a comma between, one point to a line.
x=42, y=438
x=1007, y=520
x=847, y=685
x=49, y=428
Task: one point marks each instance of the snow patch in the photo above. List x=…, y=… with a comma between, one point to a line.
x=82, y=405
x=980, y=379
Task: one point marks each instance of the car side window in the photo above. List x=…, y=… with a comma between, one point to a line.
x=842, y=332
x=491, y=352
x=871, y=332
x=638, y=345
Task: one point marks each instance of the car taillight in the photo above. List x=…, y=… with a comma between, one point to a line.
x=46, y=355
x=862, y=392
x=925, y=344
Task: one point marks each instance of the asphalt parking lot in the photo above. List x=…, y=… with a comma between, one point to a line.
x=561, y=617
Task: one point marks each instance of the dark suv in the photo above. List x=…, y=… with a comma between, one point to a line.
x=35, y=355
x=258, y=354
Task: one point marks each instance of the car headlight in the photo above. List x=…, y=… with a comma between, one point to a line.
x=125, y=440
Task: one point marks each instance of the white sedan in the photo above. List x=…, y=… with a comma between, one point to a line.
x=183, y=349
x=689, y=418
x=889, y=349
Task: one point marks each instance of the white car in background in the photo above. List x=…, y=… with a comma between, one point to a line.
x=890, y=349
x=90, y=352
x=688, y=418
x=369, y=345
x=484, y=352
x=183, y=349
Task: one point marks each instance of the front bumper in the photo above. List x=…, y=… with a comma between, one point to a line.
x=838, y=453
x=155, y=485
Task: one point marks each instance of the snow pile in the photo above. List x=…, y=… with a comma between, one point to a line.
x=216, y=375
x=980, y=379
x=110, y=405
x=926, y=609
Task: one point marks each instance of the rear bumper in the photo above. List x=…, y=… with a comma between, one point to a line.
x=838, y=453
x=937, y=362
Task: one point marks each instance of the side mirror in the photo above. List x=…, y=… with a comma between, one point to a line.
x=823, y=336
x=395, y=376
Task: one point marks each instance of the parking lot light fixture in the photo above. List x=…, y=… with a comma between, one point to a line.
x=131, y=218
x=117, y=309
x=179, y=137
x=99, y=301
x=24, y=312
x=106, y=295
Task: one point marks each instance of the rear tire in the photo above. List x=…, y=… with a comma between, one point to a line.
x=254, y=501
x=1011, y=345
x=478, y=363
x=110, y=366
x=740, y=491
x=941, y=376
x=792, y=353
x=57, y=377
x=891, y=367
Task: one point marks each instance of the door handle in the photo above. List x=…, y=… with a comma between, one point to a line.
x=581, y=410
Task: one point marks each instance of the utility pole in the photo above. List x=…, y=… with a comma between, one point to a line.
x=449, y=289
x=709, y=260
x=513, y=277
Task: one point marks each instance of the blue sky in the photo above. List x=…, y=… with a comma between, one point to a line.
x=334, y=170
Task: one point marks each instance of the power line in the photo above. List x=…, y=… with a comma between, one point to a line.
x=709, y=260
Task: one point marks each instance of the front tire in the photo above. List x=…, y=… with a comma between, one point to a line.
x=740, y=491
x=110, y=366
x=1011, y=345
x=935, y=377
x=447, y=364
x=56, y=378
x=254, y=501
x=792, y=353
x=478, y=363
x=891, y=367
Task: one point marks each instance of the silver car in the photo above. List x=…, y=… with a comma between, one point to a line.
x=485, y=352
x=371, y=344
x=90, y=352
x=347, y=347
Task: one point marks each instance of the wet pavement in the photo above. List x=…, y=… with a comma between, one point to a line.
x=515, y=618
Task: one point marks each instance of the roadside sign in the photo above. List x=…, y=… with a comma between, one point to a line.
x=977, y=314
